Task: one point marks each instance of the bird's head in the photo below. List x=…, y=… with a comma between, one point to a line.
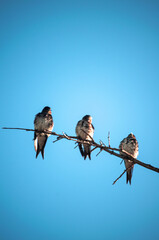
x=131, y=135
x=46, y=110
x=87, y=118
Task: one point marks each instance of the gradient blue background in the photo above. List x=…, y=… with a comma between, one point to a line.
x=79, y=57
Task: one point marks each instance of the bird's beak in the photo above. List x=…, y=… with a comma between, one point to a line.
x=50, y=112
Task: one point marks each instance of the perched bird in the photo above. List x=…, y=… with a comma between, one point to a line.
x=43, y=122
x=85, y=131
x=129, y=145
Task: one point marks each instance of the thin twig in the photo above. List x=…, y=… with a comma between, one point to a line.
x=102, y=143
x=99, y=152
x=109, y=139
x=122, y=174
x=94, y=149
x=76, y=146
x=121, y=161
x=58, y=138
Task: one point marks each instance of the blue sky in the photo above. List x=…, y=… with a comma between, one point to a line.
x=78, y=57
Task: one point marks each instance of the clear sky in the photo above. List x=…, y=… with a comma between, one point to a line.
x=79, y=57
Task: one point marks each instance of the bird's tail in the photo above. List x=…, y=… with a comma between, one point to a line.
x=87, y=151
x=41, y=142
x=129, y=175
x=81, y=149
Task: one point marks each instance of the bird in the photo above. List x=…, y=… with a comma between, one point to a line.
x=84, y=131
x=43, y=122
x=129, y=145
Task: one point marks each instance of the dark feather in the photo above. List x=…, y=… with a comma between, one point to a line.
x=41, y=145
x=87, y=151
x=35, y=135
x=81, y=149
x=129, y=175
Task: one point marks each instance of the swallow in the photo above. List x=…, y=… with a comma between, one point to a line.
x=43, y=122
x=84, y=131
x=129, y=145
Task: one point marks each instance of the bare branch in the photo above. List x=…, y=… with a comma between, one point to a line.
x=112, y=151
